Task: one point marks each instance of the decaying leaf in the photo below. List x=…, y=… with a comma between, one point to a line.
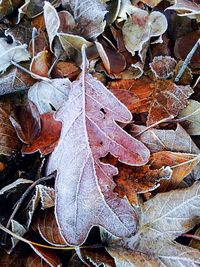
x=163, y=218
x=158, y=139
x=140, y=27
x=135, y=180
x=181, y=164
x=163, y=66
x=192, y=118
x=46, y=94
x=11, y=52
x=88, y=119
x=40, y=63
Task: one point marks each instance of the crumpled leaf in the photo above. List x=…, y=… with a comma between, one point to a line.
x=83, y=182
x=89, y=16
x=163, y=218
x=192, y=118
x=135, y=180
x=177, y=140
x=7, y=7
x=46, y=94
x=163, y=66
x=40, y=63
x=181, y=164
x=140, y=27
x=11, y=52
x=187, y=8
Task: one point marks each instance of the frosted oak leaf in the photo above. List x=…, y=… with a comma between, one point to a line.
x=84, y=185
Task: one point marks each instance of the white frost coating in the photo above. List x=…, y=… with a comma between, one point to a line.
x=84, y=185
x=12, y=52
x=46, y=94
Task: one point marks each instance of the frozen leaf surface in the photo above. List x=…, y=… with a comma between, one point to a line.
x=84, y=184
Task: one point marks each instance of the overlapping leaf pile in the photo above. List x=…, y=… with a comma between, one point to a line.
x=99, y=134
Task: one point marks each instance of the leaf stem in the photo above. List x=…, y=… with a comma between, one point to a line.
x=192, y=236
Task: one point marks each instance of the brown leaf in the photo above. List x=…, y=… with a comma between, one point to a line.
x=40, y=63
x=65, y=69
x=88, y=119
x=181, y=164
x=48, y=137
x=158, y=139
x=135, y=180
x=26, y=121
x=7, y=7
x=168, y=99
x=134, y=94
x=48, y=228
x=163, y=66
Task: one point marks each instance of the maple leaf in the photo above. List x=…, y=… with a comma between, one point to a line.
x=163, y=218
x=84, y=184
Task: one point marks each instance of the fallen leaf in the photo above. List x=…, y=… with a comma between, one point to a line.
x=181, y=164
x=14, y=185
x=47, y=196
x=40, y=64
x=7, y=7
x=163, y=218
x=195, y=243
x=136, y=95
x=168, y=99
x=192, y=119
x=26, y=121
x=48, y=137
x=151, y=3
x=48, y=228
x=187, y=8
x=88, y=119
x=89, y=17
x=136, y=180
x=177, y=140
x=140, y=27
x=47, y=94
x=163, y=67
x=65, y=70
x=14, y=80
x=11, y=52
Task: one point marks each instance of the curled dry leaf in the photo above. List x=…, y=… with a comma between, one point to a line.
x=187, y=8
x=191, y=117
x=40, y=63
x=88, y=119
x=65, y=70
x=163, y=218
x=163, y=66
x=158, y=139
x=135, y=180
x=46, y=94
x=11, y=52
x=140, y=27
x=181, y=164
x=48, y=228
x=7, y=7
x=48, y=137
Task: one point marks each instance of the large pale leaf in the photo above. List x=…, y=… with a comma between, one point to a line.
x=89, y=15
x=11, y=52
x=46, y=94
x=84, y=184
x=163, y=218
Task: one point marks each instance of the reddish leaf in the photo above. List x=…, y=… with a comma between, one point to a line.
x=40, y=63
x=163, y=67
x=65, y=70
x=48, y=138
x=135, y=180
x=26, y=121
x=83, y=184
x=135, y=94
x=181, y=163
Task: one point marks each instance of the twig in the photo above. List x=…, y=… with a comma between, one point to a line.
x=192, y=236
x=34, y=33
x=187, y=60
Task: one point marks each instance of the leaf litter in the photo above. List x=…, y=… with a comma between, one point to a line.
x=99, y=134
